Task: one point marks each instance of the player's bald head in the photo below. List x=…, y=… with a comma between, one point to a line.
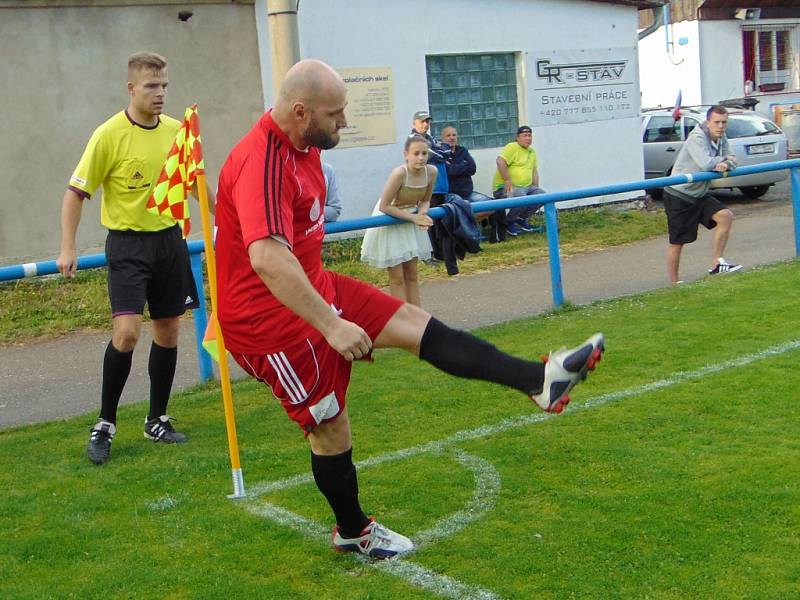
x=310, y=82
x=310, y=105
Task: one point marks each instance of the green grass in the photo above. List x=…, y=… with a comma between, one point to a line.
x=691, y=490
x=52, y=306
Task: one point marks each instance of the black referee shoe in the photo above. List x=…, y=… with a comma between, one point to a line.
x=99, y=446
x=160, y=429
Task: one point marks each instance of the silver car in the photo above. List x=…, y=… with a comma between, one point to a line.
x=753, y=139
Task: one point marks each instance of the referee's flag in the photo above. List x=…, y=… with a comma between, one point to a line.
x=184, y=163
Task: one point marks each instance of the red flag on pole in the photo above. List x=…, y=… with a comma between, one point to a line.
x=676, y=112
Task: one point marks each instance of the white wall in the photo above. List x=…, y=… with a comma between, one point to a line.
x=710, y=66
x=721, y=61
x=662, y=74
x=64, y=72
x=399, y=35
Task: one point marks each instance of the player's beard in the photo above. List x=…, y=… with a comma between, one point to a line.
x=315, y=136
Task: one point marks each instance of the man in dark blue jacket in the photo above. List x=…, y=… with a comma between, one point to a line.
x=460, y=169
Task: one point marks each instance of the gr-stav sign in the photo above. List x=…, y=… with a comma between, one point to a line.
x=575, y=86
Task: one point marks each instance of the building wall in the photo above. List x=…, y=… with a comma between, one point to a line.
x=69, y=74
x=709, y=67
x=721, y=61
x=401, y=34
x=664, y=70
x=68, y=68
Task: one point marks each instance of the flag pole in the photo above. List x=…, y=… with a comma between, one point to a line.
x=224, y=372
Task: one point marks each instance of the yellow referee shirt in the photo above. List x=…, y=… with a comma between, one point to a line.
x=126, y=159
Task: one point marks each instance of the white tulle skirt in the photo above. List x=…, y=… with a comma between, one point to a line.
x=394, y=244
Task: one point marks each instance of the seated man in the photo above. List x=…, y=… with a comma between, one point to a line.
x=460, y=169
x=517, y=175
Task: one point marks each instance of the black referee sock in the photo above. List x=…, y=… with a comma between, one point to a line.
x=161, y=367
x=464, y=355
x=116, y=368
x=336, y=478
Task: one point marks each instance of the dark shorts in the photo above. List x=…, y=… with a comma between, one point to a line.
x=684, y=215
x=308, y=376
x=150, y=267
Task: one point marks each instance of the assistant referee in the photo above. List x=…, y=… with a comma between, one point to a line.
x=148, y=260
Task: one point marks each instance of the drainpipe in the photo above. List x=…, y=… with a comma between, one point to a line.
x=668, y=35
x=658, y=20
x=284, y=38
x=667, y=29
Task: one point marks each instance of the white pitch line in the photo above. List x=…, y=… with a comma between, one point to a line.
x=411, y=573
x=521, y=421
x=487, y=486
x=486, y=477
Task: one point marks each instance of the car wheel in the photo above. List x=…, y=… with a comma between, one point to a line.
x=754, y=191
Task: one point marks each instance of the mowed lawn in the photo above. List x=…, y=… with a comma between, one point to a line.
x=675, y=473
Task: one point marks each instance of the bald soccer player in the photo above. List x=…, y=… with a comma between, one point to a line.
x=297, y=327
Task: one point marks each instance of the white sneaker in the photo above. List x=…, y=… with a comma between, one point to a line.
x=375, y=541
x=564, y=369
x=723, y=266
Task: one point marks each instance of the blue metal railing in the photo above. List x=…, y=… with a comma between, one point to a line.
x=196, y=248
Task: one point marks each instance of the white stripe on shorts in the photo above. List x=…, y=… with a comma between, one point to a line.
x=288, y=378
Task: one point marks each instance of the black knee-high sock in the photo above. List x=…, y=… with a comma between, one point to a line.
x=116, y=368
x=464, y=355
x=336, y=478
x=161, y=367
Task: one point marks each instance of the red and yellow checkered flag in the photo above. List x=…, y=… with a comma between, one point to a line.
x=184, y=163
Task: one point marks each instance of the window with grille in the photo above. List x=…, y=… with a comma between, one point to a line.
x=774, y=56
x=476, y=94
x=768, y=57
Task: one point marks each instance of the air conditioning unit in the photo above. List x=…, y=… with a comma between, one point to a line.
x=747, y=14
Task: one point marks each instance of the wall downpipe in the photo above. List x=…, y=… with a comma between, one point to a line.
x=284, y=38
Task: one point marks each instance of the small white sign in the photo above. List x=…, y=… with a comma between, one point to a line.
x=575, y=86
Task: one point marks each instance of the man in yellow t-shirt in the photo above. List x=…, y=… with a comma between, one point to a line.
x=148, y=260
x=517, y=175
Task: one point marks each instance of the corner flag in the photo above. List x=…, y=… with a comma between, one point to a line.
x=184, y=163
x=210, y=338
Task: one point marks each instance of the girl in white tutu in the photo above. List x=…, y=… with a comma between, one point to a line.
x=407, y=196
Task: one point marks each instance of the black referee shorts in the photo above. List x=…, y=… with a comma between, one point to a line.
x=685, y=214
x=150, y=267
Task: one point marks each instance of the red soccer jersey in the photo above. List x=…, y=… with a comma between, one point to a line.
x=267, y=188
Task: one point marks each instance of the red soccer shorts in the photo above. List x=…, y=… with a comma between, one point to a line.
x=308, y=376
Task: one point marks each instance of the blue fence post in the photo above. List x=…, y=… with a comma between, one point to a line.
x=551, y=227
x=795, y=174
x=200, y=320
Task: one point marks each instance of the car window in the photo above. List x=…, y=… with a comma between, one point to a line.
x=688, y=124
x=662, y=129
x=740, y=126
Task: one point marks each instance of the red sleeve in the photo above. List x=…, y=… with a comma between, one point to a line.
x=263, y=194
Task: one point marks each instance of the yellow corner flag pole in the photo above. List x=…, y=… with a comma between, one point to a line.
x=183, y=168
x=224, y=372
